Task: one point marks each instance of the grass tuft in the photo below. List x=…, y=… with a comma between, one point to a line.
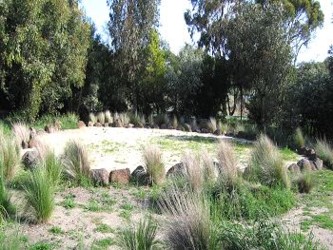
x=299, y=139
x=101, y=118
x=267, y=166
x=152, y=157
x=305, y=183
x=76, y=163
x=142, y=236
x=22, y=133
x=325, y=152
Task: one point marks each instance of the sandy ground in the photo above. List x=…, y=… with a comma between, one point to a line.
x=117, y=148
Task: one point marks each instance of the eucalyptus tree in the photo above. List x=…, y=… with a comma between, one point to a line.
x=131, y=22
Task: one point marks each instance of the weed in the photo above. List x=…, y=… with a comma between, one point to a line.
x=69, y=202
x=76, y=163
x=140, y=237
x=104, y=228
x=11, y=238
x=40, y=194
x=56, y=230
x=102, y=243
x=154, y=165
x=126, y=214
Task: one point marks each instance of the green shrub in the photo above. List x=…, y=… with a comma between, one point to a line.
x=40, y=194
x=140, y=237
x=325, y=152
x=11, y=238
x=152, y=157
x=267, y=166
x=67, y=121
x=6, y=207
x=76, y=163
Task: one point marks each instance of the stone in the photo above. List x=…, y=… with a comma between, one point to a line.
x=294, y=168
x=319, y=164
x=311, y=154
x=204, y=131
x=81, y=124
x=140, y=176
x=130, y=125
x=90, y=124
x=97, y=124
x=118, y=123
x=30, y=159
x=187, y=127
x=305, y=165
x=176, y=170
x=100, y=177
x=218, y=132
x=120, y=176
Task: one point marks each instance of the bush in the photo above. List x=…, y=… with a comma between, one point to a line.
x=40, y=194
x=152, y=157
x=92, y=118
x=76, y=163
x=194, y=173
x=6, y=207
x=108, y=117
x=305, y=183
x=67, y=121
x=53, y=168
x=140, y=237
x=267, y=165
x=325, y=152
x=299, y=139
x=101, y=118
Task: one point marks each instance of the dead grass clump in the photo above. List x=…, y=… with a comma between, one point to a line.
x=92, y=118
x=325, y=152
x=108, y=117
x=22, y=134
x=152, y=157
x=305, y=183
x=212, y=124
x=101, y=118
x=208, y=166
x=76, y=163
x=188, y=224
x=267, y=165
x=194, y=173
x=227, y=161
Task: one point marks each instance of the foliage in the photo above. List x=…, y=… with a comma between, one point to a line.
x=53, y=168
x=40, y=194
x=299, y=139
x=305, y=183
x=67, y=121
x=141, y=236
x=76, y=163
x=44, y=55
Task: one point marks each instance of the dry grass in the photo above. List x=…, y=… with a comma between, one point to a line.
x=299, y=139
x=194, y=173
x=9, y=156
x=188, y=224
x=101, y=118
x=267, y=165
x=227, y=161
x=208, y=166
x=92, y=118
x=108, y=117
x=22, y=133
x=212, y=124
x=124, y=119
x=76, y=162
x=174, y=122
x=325, y=152
x=152, y=157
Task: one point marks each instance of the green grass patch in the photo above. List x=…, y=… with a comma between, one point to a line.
x=288, y=154
x=102, y=243
x=104, y=228
x=110, y=147
x=68, y=202
x=67, y=121
x=56, y=230
x=102, y=202
x=43, y=246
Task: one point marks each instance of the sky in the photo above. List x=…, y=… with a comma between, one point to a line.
x=174, y=30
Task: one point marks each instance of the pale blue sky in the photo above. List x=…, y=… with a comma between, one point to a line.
x=174, y=30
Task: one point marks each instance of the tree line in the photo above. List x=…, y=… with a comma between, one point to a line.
x=53, y=61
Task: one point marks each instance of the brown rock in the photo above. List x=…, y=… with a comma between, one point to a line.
x=218, y=132
x=318, y=163
x=81, y=124
x=294, y=168
x=100, y=177
x=121, y=176
x=305, y=165
x=97, y=124
x=31, y=159
x=90, y=124
x=176, y=170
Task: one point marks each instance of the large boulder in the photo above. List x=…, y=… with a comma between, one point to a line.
x=318, y=163
x=100, y=177
x=140, y=176
x=306, y=165
x=120, y=176
x=81, y=124
x=30, y=159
